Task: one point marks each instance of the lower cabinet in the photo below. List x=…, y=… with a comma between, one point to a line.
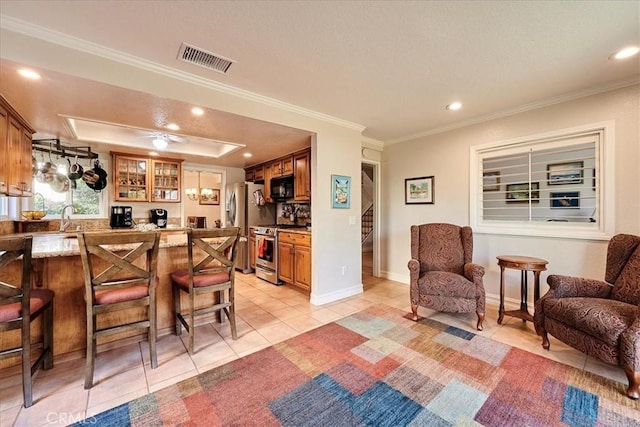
x=294, y=259
x=252, y=250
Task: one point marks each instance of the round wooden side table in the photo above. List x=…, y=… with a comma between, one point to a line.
x=524, y=264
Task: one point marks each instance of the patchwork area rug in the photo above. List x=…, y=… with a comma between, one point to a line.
x=378, y=368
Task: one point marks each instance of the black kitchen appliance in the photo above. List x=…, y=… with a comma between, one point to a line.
x=159, y=217
x=282, y=188
x=121, y=217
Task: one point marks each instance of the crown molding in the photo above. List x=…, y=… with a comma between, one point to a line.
x=55, y=37
x=521, y=109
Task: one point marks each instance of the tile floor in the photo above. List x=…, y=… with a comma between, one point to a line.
x=266, y=314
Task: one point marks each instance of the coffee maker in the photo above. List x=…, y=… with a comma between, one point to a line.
x=121, y=217
x=159, y=217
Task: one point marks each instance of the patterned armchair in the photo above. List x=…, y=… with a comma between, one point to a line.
x=601, y=319
x=442, y=276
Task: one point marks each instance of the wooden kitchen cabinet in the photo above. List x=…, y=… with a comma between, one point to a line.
x=140, y=179
x=302, y=176
x=252, y=249
x=267, y=184
x=130, y=178
x=282, y=167
x=294, y=259
x=16, y=175
x=165, y=185
x=258, y=173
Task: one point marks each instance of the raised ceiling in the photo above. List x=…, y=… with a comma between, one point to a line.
x=388, y=66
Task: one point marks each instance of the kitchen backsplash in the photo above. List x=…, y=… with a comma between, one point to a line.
x=293, y=214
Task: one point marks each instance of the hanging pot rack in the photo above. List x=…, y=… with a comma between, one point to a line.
x=53, y=146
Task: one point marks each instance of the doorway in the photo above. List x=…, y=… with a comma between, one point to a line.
x=369, y=221
x=202, y=198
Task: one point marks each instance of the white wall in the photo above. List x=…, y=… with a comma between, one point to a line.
x=446, y=157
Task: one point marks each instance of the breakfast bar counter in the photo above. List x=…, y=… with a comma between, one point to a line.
x=57, y=266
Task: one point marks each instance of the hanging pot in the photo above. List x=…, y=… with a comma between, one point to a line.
x=75, y=170
x=60, y=183
x=96, y=178
x=34, y=166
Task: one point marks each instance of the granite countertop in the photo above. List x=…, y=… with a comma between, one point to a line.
x=49, y=245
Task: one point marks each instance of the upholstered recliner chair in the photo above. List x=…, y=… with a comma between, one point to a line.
x=601, y=319
x=442, y=276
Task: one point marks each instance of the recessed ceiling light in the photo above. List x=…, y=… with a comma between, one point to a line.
x=29, y=74
x=247, y=154
x=197, y=111
x=625, y=53
x=173, y=126
x=454, y=106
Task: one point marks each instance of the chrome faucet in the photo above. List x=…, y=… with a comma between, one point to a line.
x=64, y=223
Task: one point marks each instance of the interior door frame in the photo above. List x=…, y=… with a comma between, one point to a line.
x=376, y=214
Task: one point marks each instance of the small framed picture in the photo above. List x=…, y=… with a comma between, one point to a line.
x=418, y=190
x=340, y=191
x=212, y=196
x=491, y=181
x=522, y=192
x=565, y=173
x=565, y=200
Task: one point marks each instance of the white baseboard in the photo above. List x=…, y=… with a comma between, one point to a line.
x=337, y=295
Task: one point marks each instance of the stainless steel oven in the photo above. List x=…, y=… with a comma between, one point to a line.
x=267, y=254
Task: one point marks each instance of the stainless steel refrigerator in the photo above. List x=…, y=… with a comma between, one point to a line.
x=244, y=209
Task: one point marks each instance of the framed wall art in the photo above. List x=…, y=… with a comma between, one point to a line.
x=340, y=191
x=491, y=181
x=521, y=192
x=209, y=196
x=565, y=200
x=565, y=173
x=418, y=190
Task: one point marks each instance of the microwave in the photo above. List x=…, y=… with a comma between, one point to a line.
x=282, y=188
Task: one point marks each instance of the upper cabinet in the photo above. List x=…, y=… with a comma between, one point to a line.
x=16, y=161
x=302, y=176
x=282, y=167
x=140, y=179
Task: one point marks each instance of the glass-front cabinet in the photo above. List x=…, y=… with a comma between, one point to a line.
x=166, y=181
x=131, y=179
x=139, y=179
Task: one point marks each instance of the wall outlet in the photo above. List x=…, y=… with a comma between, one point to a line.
x=344, y=270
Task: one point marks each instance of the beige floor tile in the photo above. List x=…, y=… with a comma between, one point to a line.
x=277, y=333
x=126, y=382
x=217, y=363
x=60, y=409
x=248, y=343
x=8, y=416
x=326, y=315
x=606, y=370
x=303, y=323
x=11, y=397
x=115, y=361
x=167, y=347
x=170, y=368
x=123, y=397
x=211, y=352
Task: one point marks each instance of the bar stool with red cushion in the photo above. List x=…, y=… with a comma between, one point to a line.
x=119, y=274
x=213, y=271
x=19, y=306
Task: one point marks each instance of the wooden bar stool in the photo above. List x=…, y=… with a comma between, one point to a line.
x=19, y=306
x=119, y=274
x=211, y=272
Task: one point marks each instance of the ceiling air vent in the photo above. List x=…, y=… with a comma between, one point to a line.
x=197, y=56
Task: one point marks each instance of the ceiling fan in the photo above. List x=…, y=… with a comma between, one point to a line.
x=161, y=140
